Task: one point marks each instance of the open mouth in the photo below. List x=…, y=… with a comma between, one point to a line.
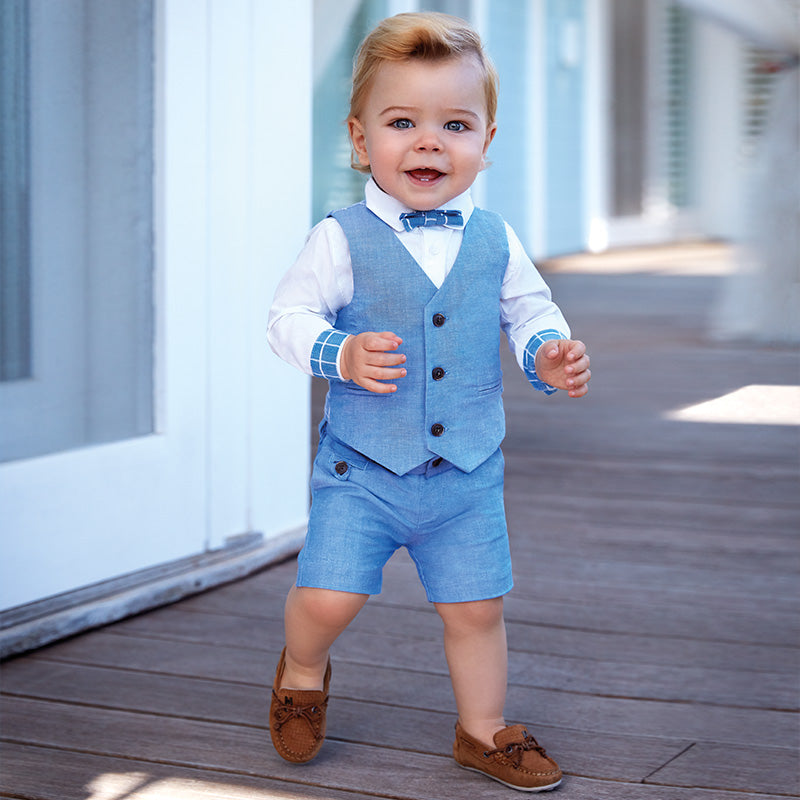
x=425, y=175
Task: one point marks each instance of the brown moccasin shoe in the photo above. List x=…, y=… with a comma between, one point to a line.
x=297, y=717
x=517, y=760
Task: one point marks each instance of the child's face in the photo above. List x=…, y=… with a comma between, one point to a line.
x=423, y=130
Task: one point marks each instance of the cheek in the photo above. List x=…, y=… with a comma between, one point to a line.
x=382, y=153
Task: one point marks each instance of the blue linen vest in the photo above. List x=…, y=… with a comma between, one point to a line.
x=450, y=402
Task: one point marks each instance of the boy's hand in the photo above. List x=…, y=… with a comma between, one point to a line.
x=563, y=363
x=367, y=359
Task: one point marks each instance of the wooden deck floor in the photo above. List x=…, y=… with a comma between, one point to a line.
x=653, y=627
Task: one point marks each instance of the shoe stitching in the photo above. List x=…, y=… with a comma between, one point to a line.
x=312, y=713
x=287, y=710
x=518, y=748
x=511, y=755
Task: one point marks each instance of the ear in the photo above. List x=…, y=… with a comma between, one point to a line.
x=358, y=138
x=491, y=130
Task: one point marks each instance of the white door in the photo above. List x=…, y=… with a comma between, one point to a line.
x=95, y=482
x=142, y=418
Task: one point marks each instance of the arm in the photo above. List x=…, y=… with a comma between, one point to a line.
x=303, y=315
x=537, y=332
x=307, y=301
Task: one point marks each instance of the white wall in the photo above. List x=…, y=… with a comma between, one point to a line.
x=281, y=214
x=258, y=184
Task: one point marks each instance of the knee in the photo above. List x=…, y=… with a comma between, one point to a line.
x=327, y=608
x=481, y=615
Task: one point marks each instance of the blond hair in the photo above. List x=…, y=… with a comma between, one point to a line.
x=429, y=36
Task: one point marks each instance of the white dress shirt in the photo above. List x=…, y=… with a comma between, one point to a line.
x=320, y=283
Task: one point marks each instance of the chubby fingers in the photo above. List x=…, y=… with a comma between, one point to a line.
x=379, y=342
x=577, y=369
x=370, y=358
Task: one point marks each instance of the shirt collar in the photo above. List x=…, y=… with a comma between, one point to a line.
x=389, y=209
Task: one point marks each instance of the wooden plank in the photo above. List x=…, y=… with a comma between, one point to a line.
x=607, y=540
x=103, y=687
x=232, y=749
x=532, y=602
x=715, y=766
x=653, y=682
x=634, y=422
x=684, y=622
x=101, y=648
x=177, y=625
x=609, y=586
x=735, y=589
x=666, y=587
x=653, y=649
x=693, y=721
x=679, y=479
x=632, y=511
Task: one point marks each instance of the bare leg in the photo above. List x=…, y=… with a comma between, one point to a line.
x=477, y=655
x=314, y=618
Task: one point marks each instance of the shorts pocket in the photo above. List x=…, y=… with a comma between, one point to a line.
x=339, y=460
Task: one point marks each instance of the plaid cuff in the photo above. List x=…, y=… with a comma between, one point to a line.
x=325, y=354
x=529, y=360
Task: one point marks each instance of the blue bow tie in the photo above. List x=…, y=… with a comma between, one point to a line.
x=430, y=219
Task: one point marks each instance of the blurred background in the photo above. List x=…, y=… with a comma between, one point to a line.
x=162, y=163
x=621, y=123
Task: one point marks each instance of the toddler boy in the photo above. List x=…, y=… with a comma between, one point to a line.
x=399, y=302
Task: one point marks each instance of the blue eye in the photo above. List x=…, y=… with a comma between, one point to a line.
x=402, y=124
x=455, y=126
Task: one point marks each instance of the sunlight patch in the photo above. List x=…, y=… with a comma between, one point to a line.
x=750, y=405
x=141, y=786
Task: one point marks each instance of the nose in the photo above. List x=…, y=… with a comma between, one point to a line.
x=428, y=141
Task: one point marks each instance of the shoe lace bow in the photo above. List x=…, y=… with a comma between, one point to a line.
x=287, y=710
x=514, y=751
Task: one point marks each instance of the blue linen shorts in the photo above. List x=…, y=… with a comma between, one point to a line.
x=452, y=523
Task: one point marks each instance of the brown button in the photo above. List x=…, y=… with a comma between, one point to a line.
x=438, y=320
x=341, y=467
x=437, y=462
x=437, y=373
x=437, y=429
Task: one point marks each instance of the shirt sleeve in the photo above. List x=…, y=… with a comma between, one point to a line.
x=307, y=300
x=528, y=314
x=326, y=354
x=529, y=359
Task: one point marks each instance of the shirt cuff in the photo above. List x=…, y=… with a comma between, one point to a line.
x=529, y=358
x=325, y=354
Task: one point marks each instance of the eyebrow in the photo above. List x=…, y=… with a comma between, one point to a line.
x=397, y=110
x=456, y=112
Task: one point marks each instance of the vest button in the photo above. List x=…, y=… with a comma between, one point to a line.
x=438, y=320
x=437, y=373
x=437, y=429
x=341, y=467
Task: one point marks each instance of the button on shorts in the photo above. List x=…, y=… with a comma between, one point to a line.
x=451, y=522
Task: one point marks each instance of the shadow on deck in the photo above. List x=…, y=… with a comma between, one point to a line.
x=653, y=628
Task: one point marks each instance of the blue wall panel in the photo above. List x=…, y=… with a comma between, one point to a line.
x=564, y=120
